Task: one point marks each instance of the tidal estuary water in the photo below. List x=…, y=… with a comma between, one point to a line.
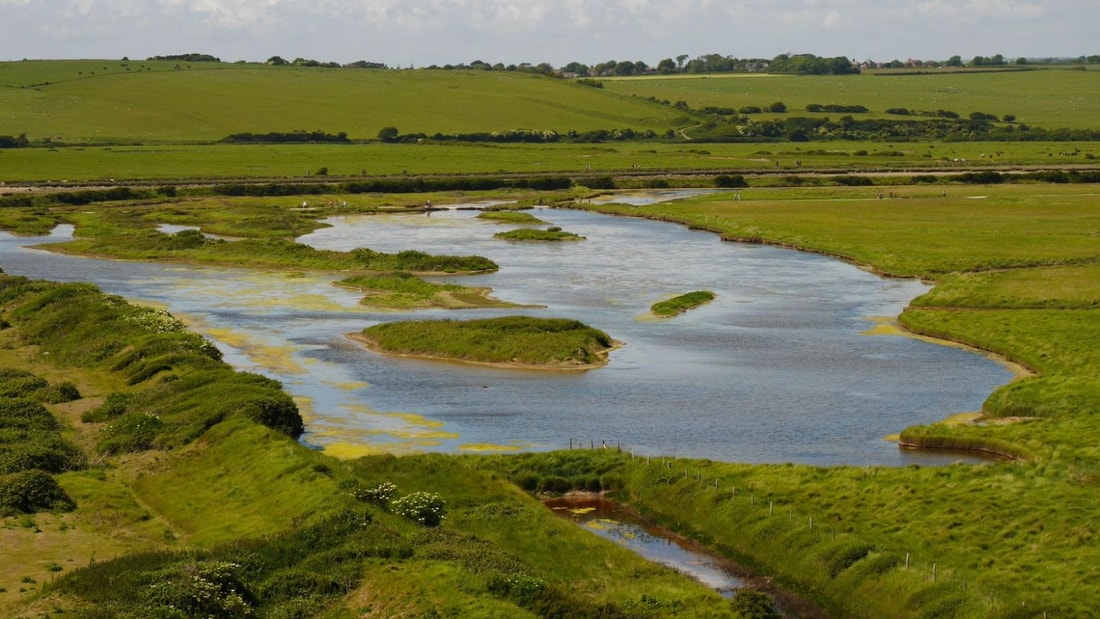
x=777, y=369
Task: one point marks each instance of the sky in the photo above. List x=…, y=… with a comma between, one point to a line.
x=418, y=33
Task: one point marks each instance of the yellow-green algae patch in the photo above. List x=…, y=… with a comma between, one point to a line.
x=277, y=358
x=489, y=448
x=884, y=325
x=393, y=433
x=414, y=419
x=348, y=386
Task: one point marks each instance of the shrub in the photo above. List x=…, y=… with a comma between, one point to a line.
x=24, y=414
x=61, y=392
x=520, y=588
x=726, y=180
x=22, y=450
x=18, y=384
x=114, y=406
x=132, y=432
x=277, y=413
x=381, y=494
x=32, y=491
x=206, y=588
x=423, y=507
x=598, y=182
x=753, y=604
x=845, y=556
x=853, y=181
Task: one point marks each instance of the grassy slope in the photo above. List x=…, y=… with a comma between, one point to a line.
x=210, y=101
x=1049, y=98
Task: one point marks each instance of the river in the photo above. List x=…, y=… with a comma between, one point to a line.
x=779, y=368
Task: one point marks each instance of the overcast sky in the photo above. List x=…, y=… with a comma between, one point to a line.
x=401, y=33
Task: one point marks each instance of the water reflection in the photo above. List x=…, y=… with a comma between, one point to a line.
x=613, y=522
x=774, y=370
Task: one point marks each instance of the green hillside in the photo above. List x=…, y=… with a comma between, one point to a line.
x=1048, y=98
x=116, y=101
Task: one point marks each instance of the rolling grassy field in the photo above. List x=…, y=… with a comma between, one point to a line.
x=208, y=162
x=1050, y=98
x=161, y=120
x=205, y=102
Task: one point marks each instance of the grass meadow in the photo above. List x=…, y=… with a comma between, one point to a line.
x=81, y=102
x=1047, y=97
x=206, y=162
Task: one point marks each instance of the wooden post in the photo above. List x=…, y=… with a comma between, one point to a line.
x=907, y=560
x=771, y=508
x=811, y=523
x=570, y=442
x=933, y=573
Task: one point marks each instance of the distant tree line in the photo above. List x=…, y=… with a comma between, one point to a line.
x=787, y=64
x=276, y=137
x=979, y=127
x=7, y=141
x=527, y=136
x=188, y=58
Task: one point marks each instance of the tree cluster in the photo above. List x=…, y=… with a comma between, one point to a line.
x=7, y=141
x=276, y=137
x=192, y=57
x=808, y=64
x=279, y=61
x=979, y=126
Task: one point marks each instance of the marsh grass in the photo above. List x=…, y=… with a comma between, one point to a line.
x=189, y=246
x=511, y=217
x=971, y=229
x=681, y=303
x=403, y=290
x=512, y=340
x=551, y=234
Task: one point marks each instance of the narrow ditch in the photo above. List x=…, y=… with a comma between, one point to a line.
x=618, y=523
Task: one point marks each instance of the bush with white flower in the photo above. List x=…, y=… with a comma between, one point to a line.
x=427, y=508
x=378, y=495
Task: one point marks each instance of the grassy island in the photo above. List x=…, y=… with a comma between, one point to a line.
x=511, y=217
x=190, y=246
x=402, y=290
x=552, y=234
x=510, y=341
x=679, y=304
